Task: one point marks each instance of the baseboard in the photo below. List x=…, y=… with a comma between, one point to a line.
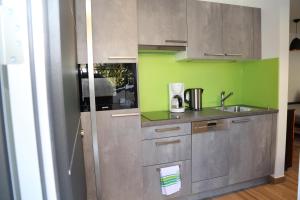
x=228, y=189
x=274, y=180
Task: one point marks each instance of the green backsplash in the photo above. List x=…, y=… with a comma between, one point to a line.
x=253, y=83
x=260, y=83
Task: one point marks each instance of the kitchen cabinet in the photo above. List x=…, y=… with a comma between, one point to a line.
x=164, y=131
x=119, y=140
x=166, y=150
x=162, y=22
x=81, y=36
x=227, y=154
x=250, y=148
x=114, y=31
x=152, y=189
x=213, y=155
x=257, y=33
x=238, y=38
x=222, y=31
x=204, y=29
x=89, y=163
x=210, y=153
x=165, y=146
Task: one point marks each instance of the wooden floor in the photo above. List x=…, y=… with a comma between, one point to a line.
x=282, y=191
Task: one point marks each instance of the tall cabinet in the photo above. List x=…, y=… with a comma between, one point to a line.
x=120, y=149
x=115, y=40
x=119, y=139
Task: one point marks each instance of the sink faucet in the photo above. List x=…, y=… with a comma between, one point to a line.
x=223, y=97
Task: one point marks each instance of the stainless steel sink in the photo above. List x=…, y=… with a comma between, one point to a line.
x=235, y=109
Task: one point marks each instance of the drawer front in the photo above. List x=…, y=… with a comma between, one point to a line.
x=155, y=132
x=209, y=184
x=152, y=189
x=166, y=150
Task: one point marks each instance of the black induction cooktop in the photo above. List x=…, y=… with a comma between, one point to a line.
x=161, y=115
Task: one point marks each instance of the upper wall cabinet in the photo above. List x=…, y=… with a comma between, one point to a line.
x=114, y=31
x=204, y=29
x=81, y=32
x=162, y=23
x=221, y=31
x=238, y=31
x=256, y=33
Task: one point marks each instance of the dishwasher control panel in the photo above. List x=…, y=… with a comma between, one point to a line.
x=212, y=125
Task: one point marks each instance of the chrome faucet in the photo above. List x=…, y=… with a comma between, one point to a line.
x=223, y=97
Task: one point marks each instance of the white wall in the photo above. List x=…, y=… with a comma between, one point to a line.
x=284, y=16
x=275, y=44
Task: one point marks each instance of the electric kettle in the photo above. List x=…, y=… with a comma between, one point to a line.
x=193, y=97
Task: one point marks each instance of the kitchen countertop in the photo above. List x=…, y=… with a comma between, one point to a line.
x=203, y=115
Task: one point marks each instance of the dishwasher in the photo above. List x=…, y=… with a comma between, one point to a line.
x=210, y=154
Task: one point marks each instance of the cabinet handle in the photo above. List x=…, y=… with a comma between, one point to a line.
x=204, y=129
x=214, y=54
x=161, y=130
x=126, y=115
x=233, y=54
x=75, y=143
x=167, y=142
x=121, y=57
x=241, y=121
x=82, y=133
x=175, y=41
x=211, y=124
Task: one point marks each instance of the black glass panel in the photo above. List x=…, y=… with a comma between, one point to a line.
x=115, y=86
x=161, y=115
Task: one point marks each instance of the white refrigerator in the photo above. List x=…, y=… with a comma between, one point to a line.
x=42, y=153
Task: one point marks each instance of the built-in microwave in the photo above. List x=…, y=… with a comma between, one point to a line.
x=115, y=86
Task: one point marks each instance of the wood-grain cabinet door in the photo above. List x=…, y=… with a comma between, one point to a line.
x=238, y=38
x=81, y=32
x=119, y=139
x=152, y=187
x=162, y=22
x=257, y=33
x=89, y=162
x=204, y=30
x=250, y=148
x=114, y=31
